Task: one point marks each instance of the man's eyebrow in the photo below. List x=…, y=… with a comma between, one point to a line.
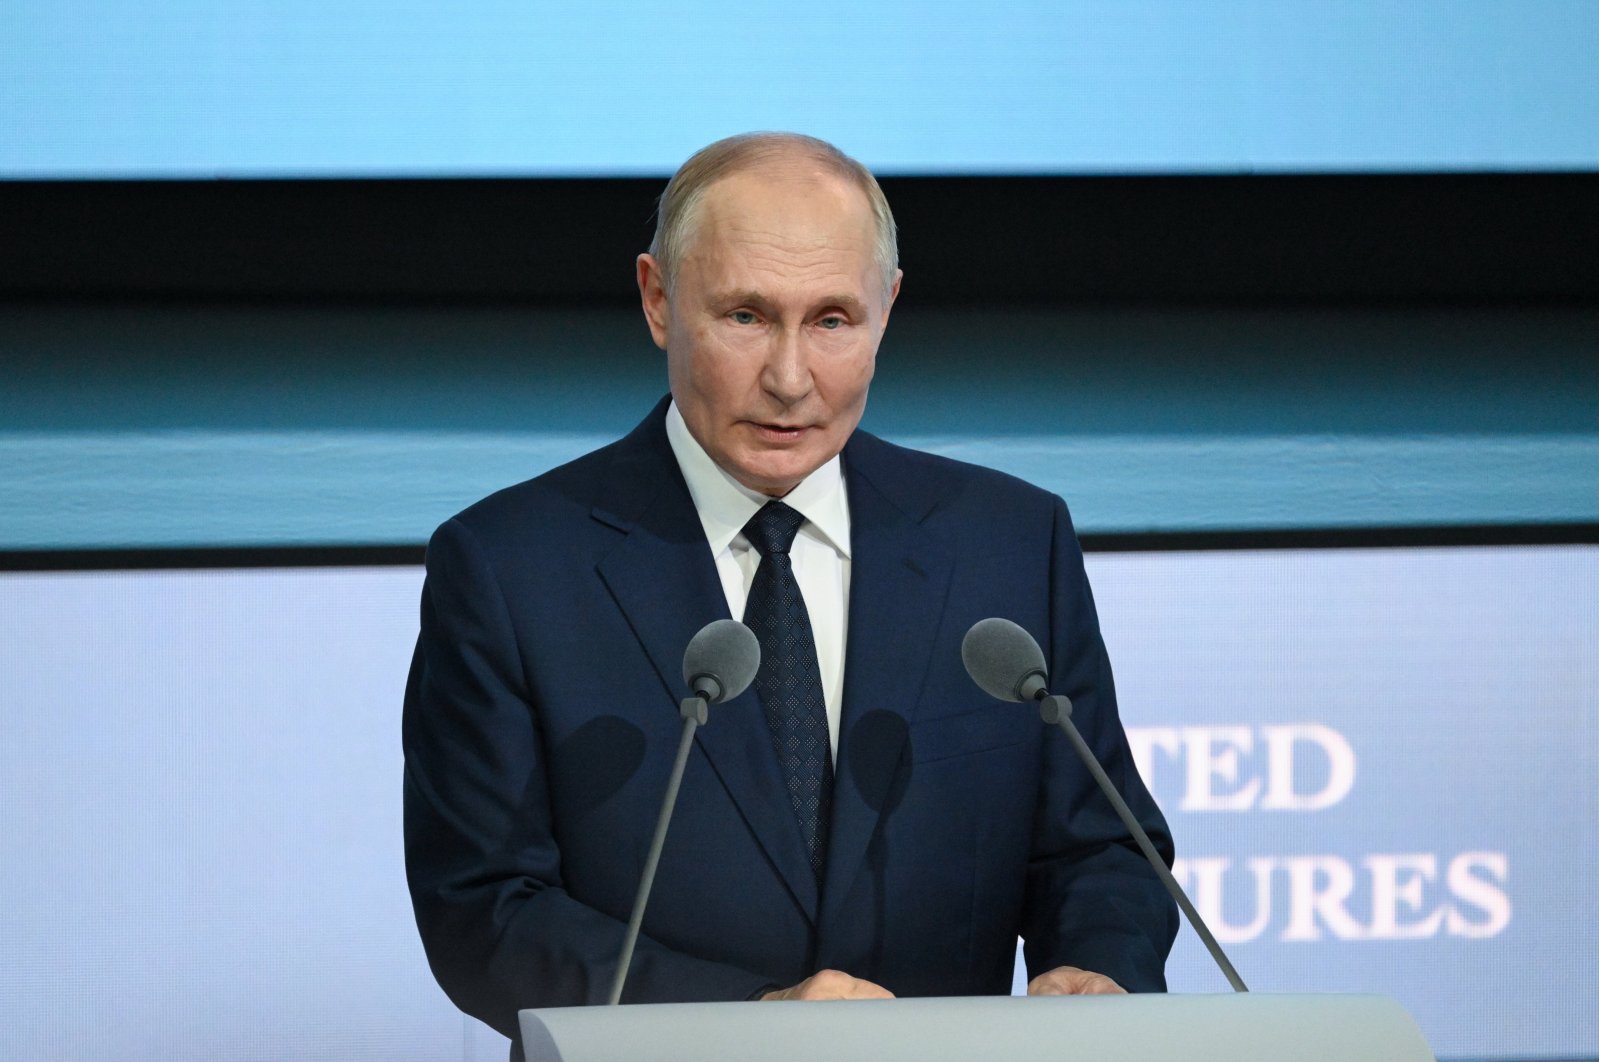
x=740, y=297
x=845, y=301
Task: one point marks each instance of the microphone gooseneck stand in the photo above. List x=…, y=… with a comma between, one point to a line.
x=1057, y=709
x=719, y=663
x=694, y=710
x=1007, y=664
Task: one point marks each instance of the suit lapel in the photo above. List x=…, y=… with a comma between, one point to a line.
x=663, y=578
x=899, y=579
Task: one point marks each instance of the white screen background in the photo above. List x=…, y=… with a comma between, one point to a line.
x=186, y=88
x=201, y=851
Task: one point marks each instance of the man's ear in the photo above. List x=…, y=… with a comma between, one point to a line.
x=893, y=293
x=652, y=293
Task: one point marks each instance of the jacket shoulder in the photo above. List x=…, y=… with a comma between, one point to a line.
x=931, y=482
x=562, y=497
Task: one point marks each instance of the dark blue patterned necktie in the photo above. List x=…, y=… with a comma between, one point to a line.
x=790, y=682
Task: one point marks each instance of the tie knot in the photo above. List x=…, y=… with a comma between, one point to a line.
x=772, y=530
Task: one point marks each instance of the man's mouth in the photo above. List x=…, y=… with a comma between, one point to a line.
x=780, y=431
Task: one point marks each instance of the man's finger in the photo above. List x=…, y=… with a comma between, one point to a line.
x=1070, y=981
x=832, y=984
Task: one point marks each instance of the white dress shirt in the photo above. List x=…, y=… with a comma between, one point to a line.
x=820, y=553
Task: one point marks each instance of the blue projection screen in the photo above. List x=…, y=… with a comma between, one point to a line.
x=1379, y=764
x=302, y=88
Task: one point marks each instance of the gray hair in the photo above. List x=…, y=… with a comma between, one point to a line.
x=678, y=211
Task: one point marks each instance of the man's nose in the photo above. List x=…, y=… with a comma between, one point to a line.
x=786, y=375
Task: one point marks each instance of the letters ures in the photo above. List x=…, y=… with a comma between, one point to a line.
x=1308, y=897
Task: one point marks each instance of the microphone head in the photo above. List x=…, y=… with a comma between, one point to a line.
x=1003, y=660
x=721, y=660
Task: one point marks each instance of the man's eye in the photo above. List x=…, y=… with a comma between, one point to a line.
x=831, y=323
x=743, y=317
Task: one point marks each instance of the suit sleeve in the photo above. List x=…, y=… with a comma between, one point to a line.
x=1093, y=901
x=500, y=930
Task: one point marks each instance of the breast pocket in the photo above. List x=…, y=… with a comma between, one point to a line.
x=970, y=733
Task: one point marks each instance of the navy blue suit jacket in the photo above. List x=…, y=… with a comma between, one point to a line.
x=541, y=722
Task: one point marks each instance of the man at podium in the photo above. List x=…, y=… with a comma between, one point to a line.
x=864, y=821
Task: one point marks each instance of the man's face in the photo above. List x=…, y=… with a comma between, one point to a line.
x=772, y=328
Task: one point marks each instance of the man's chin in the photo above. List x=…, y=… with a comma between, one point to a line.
x=773, y=480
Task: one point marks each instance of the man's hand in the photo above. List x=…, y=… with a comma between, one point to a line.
x=833, y=984
x=1070, y=981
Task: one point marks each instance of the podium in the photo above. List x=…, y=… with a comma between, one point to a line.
x=1246, y=1027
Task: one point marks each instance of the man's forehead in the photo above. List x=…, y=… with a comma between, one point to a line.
x=795, y=216
x=790, y=190
x=760, y=267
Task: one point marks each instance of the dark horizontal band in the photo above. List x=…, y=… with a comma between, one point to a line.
x=350, y=556
x=963, y=240
x=1557, y=534
x=141, y=559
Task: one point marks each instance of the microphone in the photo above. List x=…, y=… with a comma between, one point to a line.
x=719, y=663
x=1004, y=661
x=1007, y=664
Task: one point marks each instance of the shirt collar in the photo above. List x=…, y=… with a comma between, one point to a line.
x=725, y=505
